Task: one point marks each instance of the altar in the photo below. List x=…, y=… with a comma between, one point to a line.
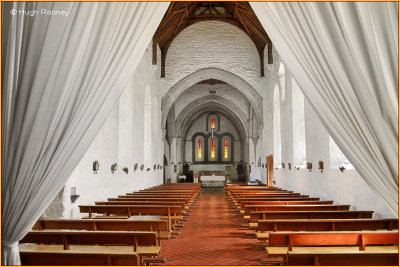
x=212, y=180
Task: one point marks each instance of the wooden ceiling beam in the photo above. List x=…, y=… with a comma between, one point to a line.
x=182, y=14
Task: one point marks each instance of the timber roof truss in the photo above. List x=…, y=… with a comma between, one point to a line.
x=183, y=14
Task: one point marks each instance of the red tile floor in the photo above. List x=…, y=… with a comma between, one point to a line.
x=212, y=235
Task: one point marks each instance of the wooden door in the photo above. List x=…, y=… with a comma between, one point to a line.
x=270, y=170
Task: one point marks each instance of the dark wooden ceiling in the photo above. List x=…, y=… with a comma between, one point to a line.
x=183, y=14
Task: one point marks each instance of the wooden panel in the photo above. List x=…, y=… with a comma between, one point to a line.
x=102, y=225
x=345, y=259
x=73, y=258
x=333, y=238
x=327, y=225
x=345, y=214
x=133, y=209
x=306, y=202
x=91, y=237
x=250, y=208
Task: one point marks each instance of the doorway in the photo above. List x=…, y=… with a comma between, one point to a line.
x=270, y=170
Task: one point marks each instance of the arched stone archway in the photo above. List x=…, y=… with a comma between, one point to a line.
x=218, y=74
x=215, y=103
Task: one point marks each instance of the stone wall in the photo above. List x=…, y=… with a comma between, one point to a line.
x=121, y=140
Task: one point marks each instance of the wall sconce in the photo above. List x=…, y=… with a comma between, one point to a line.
x=289, y=166
x=148, y=169
x=74, y=196
x=135, y=167
x=342, y=168
x=158, y=166
x=114, y=167
x=155, y=166
x=126, y=170
x=283, y=165
x=262, y=165
x=142, y=167
x=96, y=166
x=309, y=166
x=321, y=165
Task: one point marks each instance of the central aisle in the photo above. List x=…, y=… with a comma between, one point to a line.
x=212, y=236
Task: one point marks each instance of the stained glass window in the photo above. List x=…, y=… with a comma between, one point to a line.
x=213, y=148
x=226, y=148
x=212, y=123
x=199, y=149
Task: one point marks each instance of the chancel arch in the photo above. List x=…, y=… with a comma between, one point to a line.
x=218, y=74
x=211, y=102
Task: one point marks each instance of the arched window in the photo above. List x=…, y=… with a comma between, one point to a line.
x=337, y=158
x=198, y=148
x=227, y=147
x=281, y=76
x=147, y=121
x=299, y=130
x=213, y=148
x=212, y=122
x=277, y=128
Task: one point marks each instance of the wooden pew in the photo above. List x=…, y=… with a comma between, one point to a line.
x=144, y=243
x=38, y=257
x=354, y=258
x=251, y=208
x=143, y=199
x=154, y=196
x=240, y=200
x=287, y=241
x=158, y=226
x=129, y=210
x=273, y=198
x=242, y=207
x=243, y=204
x=346, y=258
x=141, y=203
x=315, y=243
x=167, y=193
x=280, y=194
x=335, y=214
x=327, y=225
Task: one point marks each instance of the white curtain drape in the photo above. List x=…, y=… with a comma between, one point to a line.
x=61, y=78
x=344, y=56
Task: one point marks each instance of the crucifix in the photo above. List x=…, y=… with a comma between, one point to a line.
x=212, y=124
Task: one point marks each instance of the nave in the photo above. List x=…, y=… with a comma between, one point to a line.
x=182, y=224
x=113, y=112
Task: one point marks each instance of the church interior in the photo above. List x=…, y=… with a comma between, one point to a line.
x=200, y=133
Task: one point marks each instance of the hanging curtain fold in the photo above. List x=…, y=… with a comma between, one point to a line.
x=61, y=75
x=344, y=56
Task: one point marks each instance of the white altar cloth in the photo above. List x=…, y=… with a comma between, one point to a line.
x=212, y=178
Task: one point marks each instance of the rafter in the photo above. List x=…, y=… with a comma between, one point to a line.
x=183, y=14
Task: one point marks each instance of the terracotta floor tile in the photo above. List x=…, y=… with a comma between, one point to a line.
x=212, y=235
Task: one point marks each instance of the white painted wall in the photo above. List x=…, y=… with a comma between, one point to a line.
x=121, y=140
x=223, y=90
x=344, y=188
x=213, y=44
